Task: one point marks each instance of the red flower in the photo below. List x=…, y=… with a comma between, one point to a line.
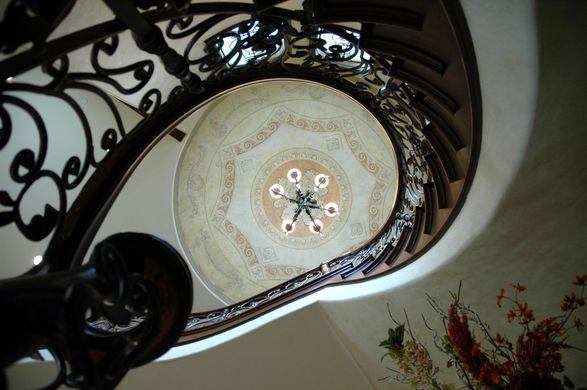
x=503, y=341
x=500, y=296
x=475, y=349
x=538, y=350
x=523, y=313
x=526, y=315
x=580, y=280
x=490, y=374
x=511, y=315
x=568, y=302
x=462, y=340
x=507, y=367
x=578, y=324
x=531, y=362
x=519, y=287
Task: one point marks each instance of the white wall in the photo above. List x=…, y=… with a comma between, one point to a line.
x=306, y=356
x=62, y=124
x=537, y=234
x=145, y=205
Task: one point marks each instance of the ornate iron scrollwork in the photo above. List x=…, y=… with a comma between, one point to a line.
x=275, y=43
x=135, y=282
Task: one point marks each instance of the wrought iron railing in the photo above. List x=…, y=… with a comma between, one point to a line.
x=205, y=49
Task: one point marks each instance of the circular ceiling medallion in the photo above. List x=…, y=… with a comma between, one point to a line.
x=246, y=141
x=269, y=212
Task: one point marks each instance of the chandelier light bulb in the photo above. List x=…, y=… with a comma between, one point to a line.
x=276, y=191
x=294, y=175
x=321, y=180
x=288, y=226
x=316, y=227
x=331, y=209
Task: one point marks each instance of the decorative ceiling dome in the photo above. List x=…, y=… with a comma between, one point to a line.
x=257, y=137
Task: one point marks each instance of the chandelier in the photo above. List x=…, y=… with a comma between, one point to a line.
x=304, y=203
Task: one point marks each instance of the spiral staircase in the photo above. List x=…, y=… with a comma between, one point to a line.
x=417, y=74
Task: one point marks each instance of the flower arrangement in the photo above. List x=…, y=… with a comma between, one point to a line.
x=416, y=368
x=491, y=361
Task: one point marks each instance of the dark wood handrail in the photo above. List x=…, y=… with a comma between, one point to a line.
x=423, y=66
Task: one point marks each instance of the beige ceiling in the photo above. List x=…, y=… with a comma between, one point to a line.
x=228, y=223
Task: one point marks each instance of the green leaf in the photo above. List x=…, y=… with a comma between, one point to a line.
x=384, y=344
x=447, y=344
x=395, y=338
x=400, y=333
x=568, y=382
x=449, y=364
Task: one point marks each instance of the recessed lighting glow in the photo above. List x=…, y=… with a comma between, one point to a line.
x=9, y=80
x=37, y=260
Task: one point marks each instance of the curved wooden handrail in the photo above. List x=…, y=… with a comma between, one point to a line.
x=427, y=71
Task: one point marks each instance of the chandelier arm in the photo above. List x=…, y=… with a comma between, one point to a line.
x=289, y=198
x=312, y=218
x=297, y=213
x=314, y=190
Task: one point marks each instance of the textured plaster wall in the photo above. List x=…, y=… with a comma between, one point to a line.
x=537, y=235
x=145, y=205
x=60, y=122
x=295, y=352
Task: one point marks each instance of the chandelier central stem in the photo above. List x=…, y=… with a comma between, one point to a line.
x=305, y=202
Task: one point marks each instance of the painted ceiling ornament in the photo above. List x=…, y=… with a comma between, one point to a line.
x=305, y=205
